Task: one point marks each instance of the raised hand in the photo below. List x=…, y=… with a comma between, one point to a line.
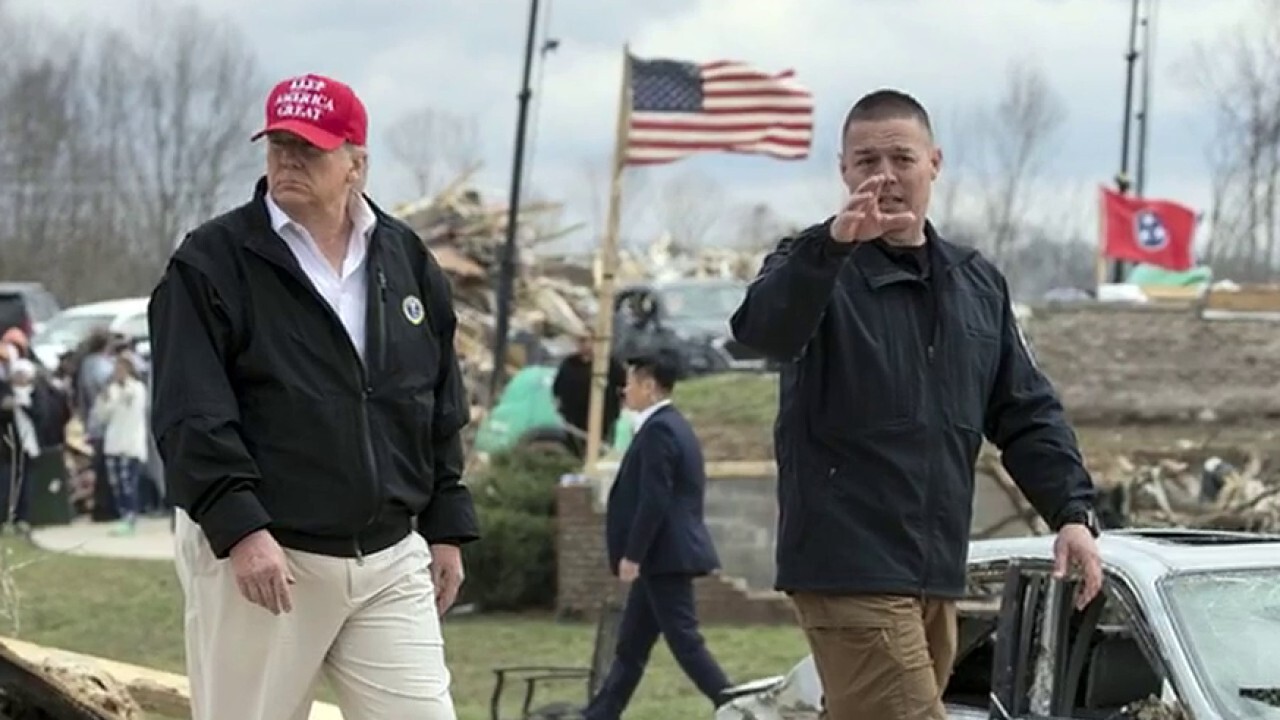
x=861, y=218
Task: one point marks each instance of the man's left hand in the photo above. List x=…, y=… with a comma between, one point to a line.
x=446, y=574
x=1075, y=546
x=628, y=571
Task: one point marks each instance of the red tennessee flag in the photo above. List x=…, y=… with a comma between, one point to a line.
x=1158, y=232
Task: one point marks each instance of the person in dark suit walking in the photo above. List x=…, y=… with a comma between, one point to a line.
x=658, y=541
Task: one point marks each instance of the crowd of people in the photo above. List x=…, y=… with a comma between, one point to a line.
x=85, y=420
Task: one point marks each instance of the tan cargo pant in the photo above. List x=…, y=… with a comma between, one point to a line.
x=371, y=626
x=880, y=657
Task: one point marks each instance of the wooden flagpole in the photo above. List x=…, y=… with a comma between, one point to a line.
x=603, y=339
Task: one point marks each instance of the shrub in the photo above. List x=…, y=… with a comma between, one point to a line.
x=513, y=566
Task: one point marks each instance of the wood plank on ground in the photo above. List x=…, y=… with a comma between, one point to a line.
x=155, y=691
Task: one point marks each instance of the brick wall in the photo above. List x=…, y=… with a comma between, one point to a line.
x=1131, y=363
x=584, y=580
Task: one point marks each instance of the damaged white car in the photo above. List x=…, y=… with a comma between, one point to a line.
x=1188, y=626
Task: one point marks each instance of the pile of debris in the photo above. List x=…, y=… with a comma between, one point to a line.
x=1177, y=492
x=554, y=299
x=1153, y=708
x=1196, y=490
x=467, y=236
x=663, y=259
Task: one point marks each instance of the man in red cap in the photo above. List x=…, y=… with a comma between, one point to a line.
x=307, y=406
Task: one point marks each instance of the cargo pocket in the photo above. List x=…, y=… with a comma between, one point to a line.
x=872, y=655
x=917, y=694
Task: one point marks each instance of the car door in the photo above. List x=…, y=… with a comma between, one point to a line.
x=1053, y=661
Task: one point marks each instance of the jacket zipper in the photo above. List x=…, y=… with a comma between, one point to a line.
x=928, y=496
x=366, y=391
x=362, y=374
x=932, y=287
x=381, y=321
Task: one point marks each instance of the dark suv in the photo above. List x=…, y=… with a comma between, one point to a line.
x=690, y=316
x=24, y=305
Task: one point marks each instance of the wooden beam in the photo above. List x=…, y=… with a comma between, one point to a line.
x=155, y=691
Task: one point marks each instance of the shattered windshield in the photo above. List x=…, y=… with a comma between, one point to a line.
x=1230, y=621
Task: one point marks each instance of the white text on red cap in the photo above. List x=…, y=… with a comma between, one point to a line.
x=303, y=101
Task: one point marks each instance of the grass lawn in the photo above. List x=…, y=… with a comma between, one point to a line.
x=130, y=610
x=733, y=414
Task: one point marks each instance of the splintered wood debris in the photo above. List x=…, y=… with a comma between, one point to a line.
x=554, y=300
x=1197, y=489
x=466, y=235
x=1195, y=492
x=55, y=690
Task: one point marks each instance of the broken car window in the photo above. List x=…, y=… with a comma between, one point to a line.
x=1230, y=621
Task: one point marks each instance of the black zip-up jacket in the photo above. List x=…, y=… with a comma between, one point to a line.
x=889, y=383
x=266, y=417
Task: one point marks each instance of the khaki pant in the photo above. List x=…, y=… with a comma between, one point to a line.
x=371, y=626
x=880, y=657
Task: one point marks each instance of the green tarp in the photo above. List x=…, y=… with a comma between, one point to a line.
x=1154, y=275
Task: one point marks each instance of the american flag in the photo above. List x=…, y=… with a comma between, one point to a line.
x=681, y=108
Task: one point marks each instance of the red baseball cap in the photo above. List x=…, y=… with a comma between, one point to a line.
x=320, y=110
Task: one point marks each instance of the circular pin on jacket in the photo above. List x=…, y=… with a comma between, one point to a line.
x=412, y=309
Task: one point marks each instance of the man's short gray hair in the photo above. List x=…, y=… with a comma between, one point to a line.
x=360, y=152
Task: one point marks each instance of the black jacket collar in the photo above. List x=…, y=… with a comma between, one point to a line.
x=263, y=239
x=879, y=270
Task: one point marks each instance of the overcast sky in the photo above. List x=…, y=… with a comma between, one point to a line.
x=466, y=55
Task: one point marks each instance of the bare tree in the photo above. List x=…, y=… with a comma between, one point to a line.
x=955, y=136
x=198, y=94
x=434, y=146
x=759, y=227
x=690, y=205
x=38, y=117
x=1015, y=137
x=635, y=203
x=112, y=144
x=1241, y=73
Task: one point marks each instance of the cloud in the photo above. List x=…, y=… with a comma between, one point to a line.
x=465, y=56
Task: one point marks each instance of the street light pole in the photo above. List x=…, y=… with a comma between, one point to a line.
x=506, y=280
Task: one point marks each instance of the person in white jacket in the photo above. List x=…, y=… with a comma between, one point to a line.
x=22, y=443
x=121, y=410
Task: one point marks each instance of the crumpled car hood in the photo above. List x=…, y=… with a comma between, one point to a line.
x=797, y=696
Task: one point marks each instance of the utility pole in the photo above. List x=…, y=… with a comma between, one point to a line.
x=1144, y=111
x=506, y=279
x=1122, y=178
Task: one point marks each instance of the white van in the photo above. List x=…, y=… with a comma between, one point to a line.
x=67, y=329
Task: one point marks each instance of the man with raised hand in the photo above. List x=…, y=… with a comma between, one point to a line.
x=900, y=351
